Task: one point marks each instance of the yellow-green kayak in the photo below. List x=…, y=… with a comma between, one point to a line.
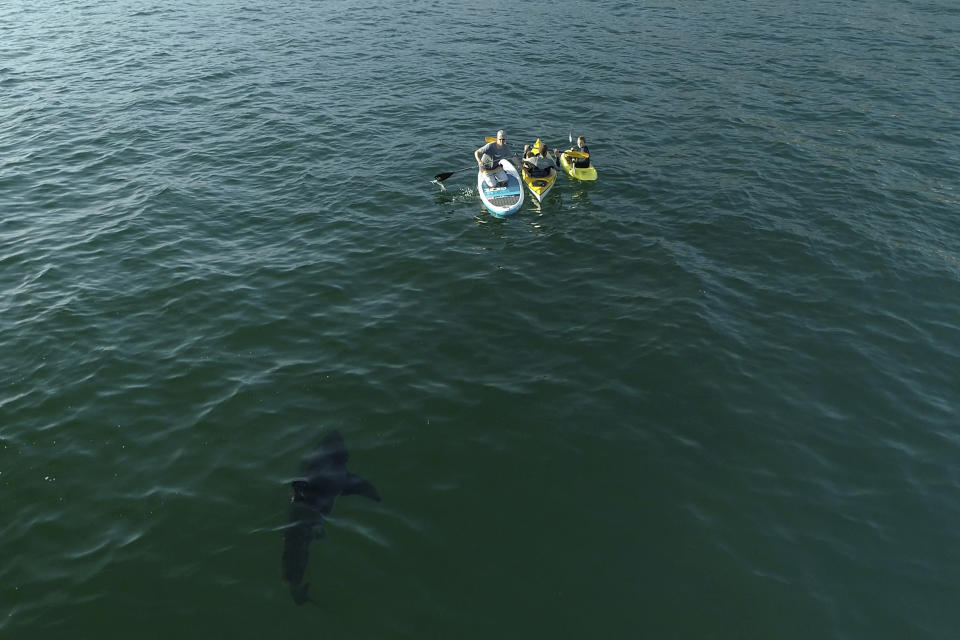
x=580, y=173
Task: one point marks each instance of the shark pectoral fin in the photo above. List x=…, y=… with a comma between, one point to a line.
x=360, y=486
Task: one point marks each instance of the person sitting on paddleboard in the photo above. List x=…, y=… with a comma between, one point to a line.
x=579, y=163
x=538, y=164
x=493, y=173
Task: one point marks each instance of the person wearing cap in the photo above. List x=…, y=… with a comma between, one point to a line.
x=488, y=159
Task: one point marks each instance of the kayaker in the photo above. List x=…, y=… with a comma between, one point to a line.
x=580, y=163
x=538, y=164
x=582, y=144
x=488, y=159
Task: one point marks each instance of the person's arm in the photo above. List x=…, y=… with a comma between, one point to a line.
x=482, y=150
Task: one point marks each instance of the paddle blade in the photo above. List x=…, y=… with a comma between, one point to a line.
x=491, y=138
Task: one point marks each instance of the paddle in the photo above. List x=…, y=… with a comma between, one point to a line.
x=440, y=177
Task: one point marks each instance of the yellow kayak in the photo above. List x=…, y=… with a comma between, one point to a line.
x=580, y=173
x=539, y=185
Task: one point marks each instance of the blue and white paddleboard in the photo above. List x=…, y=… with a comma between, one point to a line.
x=502, y=201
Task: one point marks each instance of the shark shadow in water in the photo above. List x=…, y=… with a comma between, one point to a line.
x=324, y=477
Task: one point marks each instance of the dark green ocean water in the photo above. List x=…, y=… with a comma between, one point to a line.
x=713, y=394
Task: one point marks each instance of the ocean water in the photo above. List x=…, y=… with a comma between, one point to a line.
x=713, y=394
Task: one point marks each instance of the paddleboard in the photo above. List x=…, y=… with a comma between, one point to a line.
x=503, y=200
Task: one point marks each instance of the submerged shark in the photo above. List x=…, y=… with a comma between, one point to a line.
x=324, y=477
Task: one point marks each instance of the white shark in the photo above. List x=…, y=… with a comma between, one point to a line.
x=324, y=478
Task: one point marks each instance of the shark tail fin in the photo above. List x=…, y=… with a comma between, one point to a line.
x=360, y=486
x=300, y=593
